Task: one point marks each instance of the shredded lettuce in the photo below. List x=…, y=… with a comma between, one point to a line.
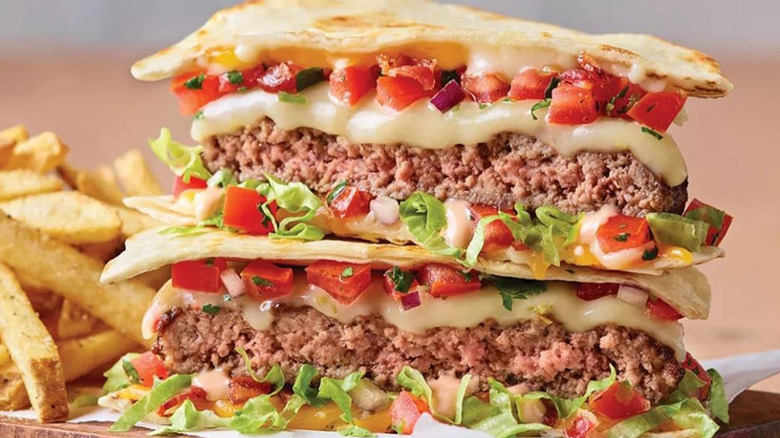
x=353, y=430
x=639, y=424
x=159, y=393
x=293, y=197
x=184, y=161
x=258, y=415
x=425, y=217
x=186, y=419
x=461, y=394
x=717, y=402
x=414, y=381
x=496, y=418
x=692, y=415
x=302, y=386
x=337, y=390
x=85, y=400
x=274, y=376
x=221, y=179
x=116, y=378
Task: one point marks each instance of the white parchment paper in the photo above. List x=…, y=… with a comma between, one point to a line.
x=739, y=373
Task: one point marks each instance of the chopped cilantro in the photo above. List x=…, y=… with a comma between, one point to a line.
x=195, y=82
x=483, y=105
x=611, y=104
x=647, y=130
x=402, y=280
x=550, y=87
x=308, y=77
x=336, y=191
x=291, y=98
x=650, y=254
x=235, y=77
x=539, y=105
x=259, y=281
x=347, y=272
x=512, y=289
x=466, y=275
x=622, y=237
x=449, y=75
x=198, y=115
x=209, y=261
x=210, y=309
x=650, y=108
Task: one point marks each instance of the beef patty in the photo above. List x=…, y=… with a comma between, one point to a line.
x=532, y=353
x=510, y=167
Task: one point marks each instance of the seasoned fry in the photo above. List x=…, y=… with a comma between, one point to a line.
x=100, y=184
x=74, y=322
x=5, y=357
x=16, y=134
x=134, y=222
x=32, y=350
x=75, y=276
x=6, y=151
x=18, y=183
x=13, y=395
x=134, y=174
x=41, y=153
x=82, y=356
x=68, y=216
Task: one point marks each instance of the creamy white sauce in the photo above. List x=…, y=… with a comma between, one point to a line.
x=215, y=382
x=462, y=311
x=460, y=228
x=424, y=126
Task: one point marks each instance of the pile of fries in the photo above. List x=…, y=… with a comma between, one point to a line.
x=58, y=227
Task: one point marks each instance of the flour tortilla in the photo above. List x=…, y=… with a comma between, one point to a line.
x=684, y=289
x=323, y=30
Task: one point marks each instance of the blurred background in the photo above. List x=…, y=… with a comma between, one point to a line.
x=64, y=67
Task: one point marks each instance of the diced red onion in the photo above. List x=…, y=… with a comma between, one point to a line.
x=632, y=295
x=449, y=96
x=233, y=283
x=385, y=210
x=410, y=300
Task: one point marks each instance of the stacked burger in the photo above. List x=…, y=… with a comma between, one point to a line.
x=403, y=207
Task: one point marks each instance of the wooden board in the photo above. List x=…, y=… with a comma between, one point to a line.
x=754, y=414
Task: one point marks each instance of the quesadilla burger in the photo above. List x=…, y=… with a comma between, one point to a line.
x=407, y=209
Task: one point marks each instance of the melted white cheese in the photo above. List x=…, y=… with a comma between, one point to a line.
x=559, y=302
x=215, y=382
x=424, y=126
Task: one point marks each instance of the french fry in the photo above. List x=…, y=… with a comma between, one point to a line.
x=18, y=183
x=68, y=216
x=134, y=222
x=103, y=251
x=134, y=174
x=5, y=357
x=32, y=350
x=74, y=322
x=82, y=356
x=13, y=395
x=6, y=151
x=100, y=184
x=16, y=134
x=75, y=276
x=41, y=153
x=46, y=304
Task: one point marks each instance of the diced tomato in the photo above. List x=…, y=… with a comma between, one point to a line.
x=658, y=110
x=486, y=88
x=581, y=426
x=530, y=84
x=396, y=291
x=398, y=93
x=351, y=83
x=405, y=411
x=243, y=388
x=280, y=77
x=149, y=366
x=265, y=280
x=343, y=281
x=351, y=202
x=659, y=309
x=572, y=105
x=446, y=281
x=619, y=401
x=198, y=275
x=719, y=220
x=497, y=234
x=194, y=394
x=693, y=365
x=594, y=291
x=194, y=91
x=194, y=183
x=623, y=232
x=242, y=211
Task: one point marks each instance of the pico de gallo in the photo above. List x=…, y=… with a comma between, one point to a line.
x=577, y=96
